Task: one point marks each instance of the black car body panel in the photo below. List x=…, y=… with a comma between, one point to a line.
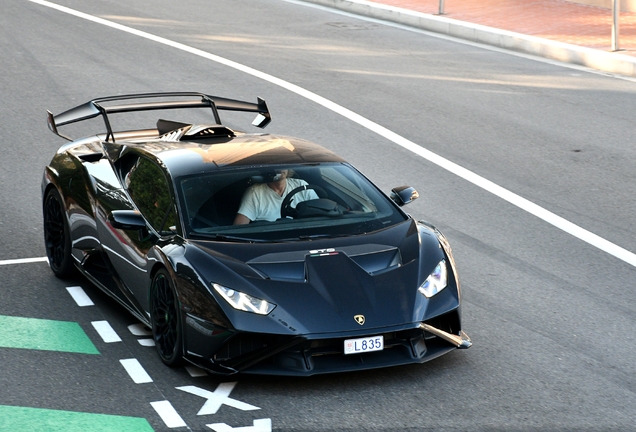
x=276, y=297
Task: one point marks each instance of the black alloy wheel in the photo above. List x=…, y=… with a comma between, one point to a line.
x=166, y=325
x=57, y=238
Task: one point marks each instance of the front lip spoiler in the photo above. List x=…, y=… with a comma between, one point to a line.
x=461, y=341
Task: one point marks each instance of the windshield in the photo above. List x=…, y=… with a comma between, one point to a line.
x=281, y=203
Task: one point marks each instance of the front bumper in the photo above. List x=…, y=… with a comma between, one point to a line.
x=305, y=355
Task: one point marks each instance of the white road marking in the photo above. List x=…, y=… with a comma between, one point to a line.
x=512, y=198
x=139, y=330
x=219, y=397
x=260, y=425
x=80, y=296
x=136, y=371
x=195, y=372
x=106, y=331
x=168, y=414
x=23, y=261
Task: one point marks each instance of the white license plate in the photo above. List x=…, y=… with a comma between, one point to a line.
x=362, y=345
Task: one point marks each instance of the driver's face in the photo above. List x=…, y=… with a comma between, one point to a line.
x=283, y=174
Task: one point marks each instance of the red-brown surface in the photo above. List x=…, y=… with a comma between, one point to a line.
x=558, y=20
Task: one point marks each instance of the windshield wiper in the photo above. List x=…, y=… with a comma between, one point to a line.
x=228, y=238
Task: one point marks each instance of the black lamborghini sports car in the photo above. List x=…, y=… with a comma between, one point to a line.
x=340, y=279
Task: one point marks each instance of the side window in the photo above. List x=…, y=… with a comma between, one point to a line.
x=150, y=191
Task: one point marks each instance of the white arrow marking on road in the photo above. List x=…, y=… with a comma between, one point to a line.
x=260, y=425
x=219, y=397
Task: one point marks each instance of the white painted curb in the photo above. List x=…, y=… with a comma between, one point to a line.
x=610, y=62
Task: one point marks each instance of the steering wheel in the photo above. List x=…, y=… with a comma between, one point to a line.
x=287, y=210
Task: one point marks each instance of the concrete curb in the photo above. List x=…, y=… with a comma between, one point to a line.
x=610, y=62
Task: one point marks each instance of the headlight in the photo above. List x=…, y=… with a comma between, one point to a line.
x=244, y=302
x=436, y=281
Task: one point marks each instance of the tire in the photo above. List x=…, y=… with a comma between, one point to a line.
x=57, y=236
x=166, y=320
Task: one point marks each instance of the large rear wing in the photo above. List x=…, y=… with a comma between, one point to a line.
x=107, y=105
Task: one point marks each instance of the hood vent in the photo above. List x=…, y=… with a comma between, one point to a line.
x=290, y=266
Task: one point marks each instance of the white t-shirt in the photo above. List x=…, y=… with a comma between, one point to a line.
x=260, y=202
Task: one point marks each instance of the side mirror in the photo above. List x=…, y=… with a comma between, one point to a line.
x=127, y=220
x=130, y=220
x=403, y=195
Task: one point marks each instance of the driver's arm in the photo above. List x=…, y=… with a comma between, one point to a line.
x=247, y=211
x=241, y=219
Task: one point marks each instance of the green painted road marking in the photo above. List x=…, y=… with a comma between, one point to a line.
x=23, y=419
x=41, y=334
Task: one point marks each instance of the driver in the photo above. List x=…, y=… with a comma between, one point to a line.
x=262, y=201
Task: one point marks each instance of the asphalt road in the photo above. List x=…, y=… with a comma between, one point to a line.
x=551, y=315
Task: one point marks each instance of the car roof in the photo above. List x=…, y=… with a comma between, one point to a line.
x=245, y=150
